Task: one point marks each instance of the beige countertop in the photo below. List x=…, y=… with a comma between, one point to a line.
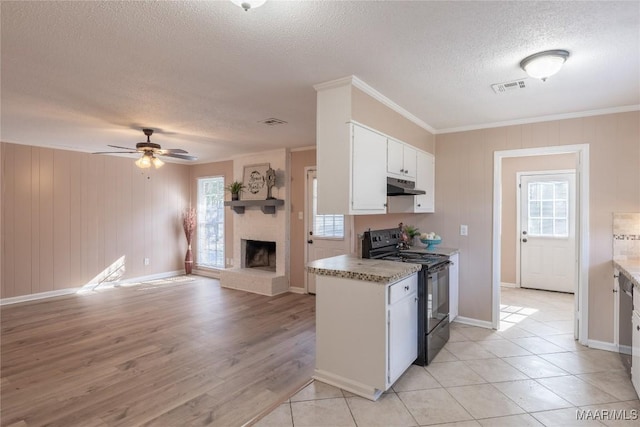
x=370, y=270
x=630, y=268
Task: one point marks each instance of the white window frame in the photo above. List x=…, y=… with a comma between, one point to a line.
x=324, y=217
x=201, y=216
x=554, y=217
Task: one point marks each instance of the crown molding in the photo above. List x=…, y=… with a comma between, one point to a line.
x=565, y=116
x=307, y=148
x=366, y=88
x=343, y=81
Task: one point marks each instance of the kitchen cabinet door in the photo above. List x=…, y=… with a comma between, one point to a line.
x=395, y=158
x=368, y=182
x=401, y=160
x=425, y=180
x=403, y=330
x=409, y=162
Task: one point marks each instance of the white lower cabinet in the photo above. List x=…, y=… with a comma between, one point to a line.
x=635, y=350
x=366, y=333
x=403, y=332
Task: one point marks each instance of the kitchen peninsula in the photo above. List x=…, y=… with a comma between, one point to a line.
x=366, y=322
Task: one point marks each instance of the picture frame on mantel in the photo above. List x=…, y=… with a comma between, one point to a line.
x=255, y=181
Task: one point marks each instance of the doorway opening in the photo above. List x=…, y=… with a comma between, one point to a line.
x=326, y=235
x=582, y=236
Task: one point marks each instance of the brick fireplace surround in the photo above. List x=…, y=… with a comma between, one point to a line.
x=255, y=225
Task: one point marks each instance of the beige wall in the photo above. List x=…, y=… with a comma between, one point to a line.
x=299, y=160
x=66, y=216
x=464, y=186
x=224, y=169
x=510, y=167
x=371, y=112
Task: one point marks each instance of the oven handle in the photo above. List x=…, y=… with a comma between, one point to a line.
x=440, y=267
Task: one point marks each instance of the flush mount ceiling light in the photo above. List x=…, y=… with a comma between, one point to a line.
x=542, y=65
x=249, y=4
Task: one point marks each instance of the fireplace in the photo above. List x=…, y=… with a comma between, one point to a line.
x=259, y=254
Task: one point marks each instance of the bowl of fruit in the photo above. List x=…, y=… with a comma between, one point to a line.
x=430, y=239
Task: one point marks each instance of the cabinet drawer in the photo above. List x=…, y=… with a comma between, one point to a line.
x=405, y=287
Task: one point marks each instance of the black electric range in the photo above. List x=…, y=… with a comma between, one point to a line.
x=433, y=287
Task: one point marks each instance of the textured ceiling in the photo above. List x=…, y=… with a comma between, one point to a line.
x=81, y=75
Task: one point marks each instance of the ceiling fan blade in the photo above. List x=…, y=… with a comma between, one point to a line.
x=173, y=151
x=124, y=148
x=180, y=156
x=115, y=152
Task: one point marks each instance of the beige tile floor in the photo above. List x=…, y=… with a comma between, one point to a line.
x=529, y=373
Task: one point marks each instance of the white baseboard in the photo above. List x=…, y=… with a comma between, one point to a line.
x=152, y=277
x=296, y=290
x=355, y=387
x=210, y=273
x=509, y=285
x=473, y=322
x=89, y=288
x=40, y=295
x=602, y=345
x=625, y=349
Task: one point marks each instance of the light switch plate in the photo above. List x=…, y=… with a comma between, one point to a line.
x=300, y=215
x=464, y=230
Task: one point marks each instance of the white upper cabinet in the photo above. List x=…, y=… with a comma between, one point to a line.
x=368, y=185
x=355, y=160
x=425, y=180
x=401, y=160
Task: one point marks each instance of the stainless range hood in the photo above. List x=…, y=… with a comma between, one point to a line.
x=402, y=187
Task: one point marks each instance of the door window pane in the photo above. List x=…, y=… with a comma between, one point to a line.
x=548, y=206
x=325, y=225
x=210, y=230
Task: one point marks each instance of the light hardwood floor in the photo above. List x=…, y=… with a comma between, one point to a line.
x=172, y=354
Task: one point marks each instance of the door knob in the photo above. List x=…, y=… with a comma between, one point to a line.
x=524, y=232
x=309, y=241
x=524, y=240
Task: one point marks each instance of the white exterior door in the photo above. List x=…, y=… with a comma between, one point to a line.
x=548, y=232
x=327, y=235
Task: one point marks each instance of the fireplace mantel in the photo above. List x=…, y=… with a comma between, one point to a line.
x=267, y=206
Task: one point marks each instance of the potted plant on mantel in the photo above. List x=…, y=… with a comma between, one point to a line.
x=235, y=188
x=189, y=225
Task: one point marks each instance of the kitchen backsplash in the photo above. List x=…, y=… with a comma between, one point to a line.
x=626, y=236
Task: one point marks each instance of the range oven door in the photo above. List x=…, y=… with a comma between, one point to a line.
x=437, y=295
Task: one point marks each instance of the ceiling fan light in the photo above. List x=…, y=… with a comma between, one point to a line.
x=157, y=162
x=542, y=65
x=249, y=4
x=143, y=162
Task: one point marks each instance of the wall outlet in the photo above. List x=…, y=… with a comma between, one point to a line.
x=464, y=230
x=146, y=261
x=300, y=215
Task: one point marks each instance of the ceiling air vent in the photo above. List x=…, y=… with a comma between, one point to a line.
x=273, y=122
x=508, y=87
